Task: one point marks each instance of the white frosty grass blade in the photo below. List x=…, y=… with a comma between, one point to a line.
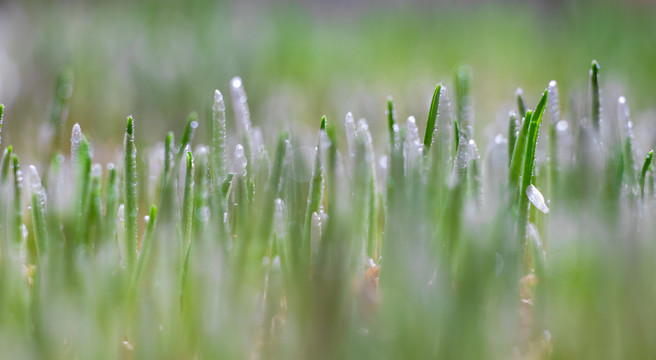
x=219, y=134
x=240, y=160
x=349, y=125
x=536, y=198
x=76, y=138
x=315, y=234
x=553, y=102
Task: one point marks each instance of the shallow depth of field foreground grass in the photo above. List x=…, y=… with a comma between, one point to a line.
x=537, y=245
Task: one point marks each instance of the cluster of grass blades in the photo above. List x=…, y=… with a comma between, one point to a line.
x=542, y=247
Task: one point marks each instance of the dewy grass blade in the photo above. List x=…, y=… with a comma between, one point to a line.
x=595, y=111
x=83, y=182
x=17, y=211
x=146, y=245
x=4, y=164
x=643, y=172
x=95, y=216
x=521, y=103
x=391, y=121
x=432, y=117
x=529, y=160
x=315, y=193
x=553, y=110
x=187, y=135
x=38, y=213
x=2, y=111
x=188, y=201
x=130, y=188
x=517, y=159
x=629, y=164
x=111, y=203
x=219, y=147
x=202, y=192
x=465, y=108
x=512, y=134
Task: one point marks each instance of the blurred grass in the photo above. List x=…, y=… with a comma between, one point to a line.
x=158, y=60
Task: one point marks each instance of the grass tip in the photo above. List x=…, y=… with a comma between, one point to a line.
x=130, y=125
x=595, y=67
x=323, y=122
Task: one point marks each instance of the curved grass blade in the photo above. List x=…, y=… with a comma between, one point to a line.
x=643, y=172
x=4, y=164
x=521, y=103
x=432, y=117
x=529, y=160
x=187, y=135
x=517, y=159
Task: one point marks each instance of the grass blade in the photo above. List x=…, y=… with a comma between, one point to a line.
x=38, y=213
x=432, y=117
x=315, y=194
x=643, y=172
x=521, y=103
x=130, y=188
x=219, y=148
x=188, y=201
x=512, y=134
x=595, y=111
x=529, y=160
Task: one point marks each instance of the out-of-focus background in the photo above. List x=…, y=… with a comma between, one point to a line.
x=160, y=60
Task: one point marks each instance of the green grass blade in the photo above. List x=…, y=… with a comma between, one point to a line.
x=4, y=164
x=512, y=134
x=517, y=159
x=219, y=133
x=521, y=103
x=130, y=188
x=188, y=200
x=189, y=131
x=146, y=246
x=529, y=160
x=432, y=117
x=643, y=172
x=391, y=121
x=464, y=101
x=315, y=194
x=112, y=198
x=2, y=111
x=17, y=210
x=38, y=202
x=59, y=112
x=595, y=111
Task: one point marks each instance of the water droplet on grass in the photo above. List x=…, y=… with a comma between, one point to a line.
x=536, y=198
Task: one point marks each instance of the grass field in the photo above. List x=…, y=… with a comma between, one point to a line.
x=494, y=223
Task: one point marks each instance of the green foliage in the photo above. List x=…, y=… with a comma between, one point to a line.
x=416, y=256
